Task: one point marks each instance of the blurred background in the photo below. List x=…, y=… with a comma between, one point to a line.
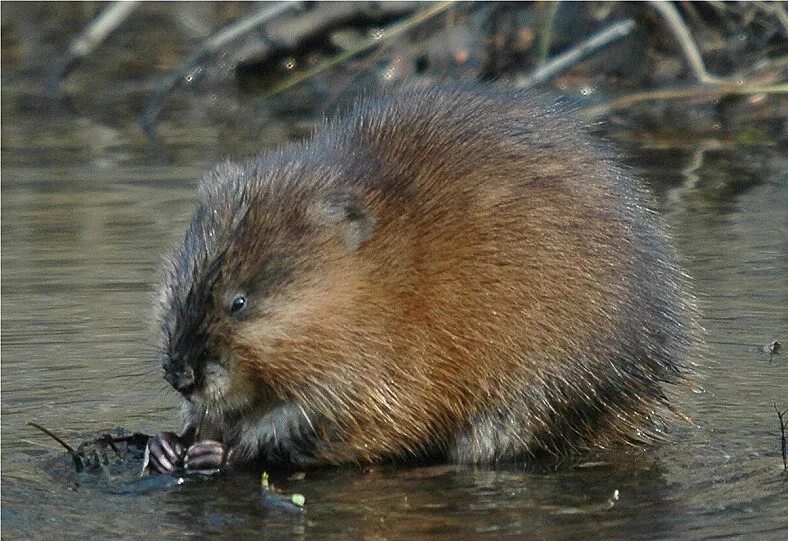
x=243, y=70
x=112, y=111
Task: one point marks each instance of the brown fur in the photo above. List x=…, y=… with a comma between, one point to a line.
x=452, y=272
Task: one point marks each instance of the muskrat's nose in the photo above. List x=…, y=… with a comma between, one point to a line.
x=182, y=380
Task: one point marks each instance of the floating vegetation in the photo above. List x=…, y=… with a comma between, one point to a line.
x=274, y=498
x=586, y=509
x=771, y=349
x=94, y=455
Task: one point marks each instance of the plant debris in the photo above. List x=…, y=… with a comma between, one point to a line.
x=276, y=499
x=772, y=348
x=783, y=441
x=94, y=455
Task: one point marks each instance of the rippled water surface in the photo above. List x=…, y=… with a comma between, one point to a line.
x=86, y=211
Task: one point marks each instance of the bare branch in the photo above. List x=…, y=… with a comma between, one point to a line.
x=682, y=34
x=90, y=38
x=417, y=18
x=172, y=80
x=778, y=10
x=704, y=92
x=578, y=53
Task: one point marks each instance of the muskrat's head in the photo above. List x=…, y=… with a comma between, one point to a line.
x=270, y=258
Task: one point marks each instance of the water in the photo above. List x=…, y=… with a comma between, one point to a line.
x=87, y=208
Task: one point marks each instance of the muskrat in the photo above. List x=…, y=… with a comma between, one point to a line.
x=455, y=273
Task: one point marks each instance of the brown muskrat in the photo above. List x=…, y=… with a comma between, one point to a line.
x=453, y=273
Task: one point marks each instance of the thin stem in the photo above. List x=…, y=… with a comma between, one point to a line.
x=546, y=31
x=784, y=446
x=407, y=24
x=89, y=39
x=682, y=34
x=53, y=436
x=172, y=80
x=578, y=53
x=694, y=92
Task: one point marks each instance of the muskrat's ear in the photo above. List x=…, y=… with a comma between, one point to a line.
x=344, y=208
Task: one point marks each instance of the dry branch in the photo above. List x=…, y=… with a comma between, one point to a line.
x=90, y=38
x=682, y=34
x=578, y=53
x=418, y=18
x=711, y=92
x=169, y=82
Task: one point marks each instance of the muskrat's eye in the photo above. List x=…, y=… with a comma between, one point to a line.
x=238, y=304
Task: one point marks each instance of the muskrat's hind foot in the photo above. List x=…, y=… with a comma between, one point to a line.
x=166, y=452
x=206, y=455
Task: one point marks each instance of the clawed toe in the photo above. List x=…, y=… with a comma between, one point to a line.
x=166, y=452
x=206, y=455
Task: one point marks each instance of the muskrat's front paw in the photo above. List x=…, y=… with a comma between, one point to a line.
x=206, y=455
x=165, y=452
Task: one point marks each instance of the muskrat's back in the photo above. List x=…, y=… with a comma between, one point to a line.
x=450, y=271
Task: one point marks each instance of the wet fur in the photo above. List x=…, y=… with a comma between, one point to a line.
x=451, y=272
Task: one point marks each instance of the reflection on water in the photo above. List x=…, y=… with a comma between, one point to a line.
x=86, y=211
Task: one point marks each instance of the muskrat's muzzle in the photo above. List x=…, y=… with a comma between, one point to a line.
x=183, y=380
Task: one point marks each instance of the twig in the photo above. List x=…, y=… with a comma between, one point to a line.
x=778, y=10
x=782, y=15
x=783, y=440
x=574, y=55
x=694, y=92
x=682, y=34
x=323, y=18
x=418, y=18
x=92, y=36
x=546, y=31
x=53, y=436
x=229, y=33
x=76, y=456
x=171, y=81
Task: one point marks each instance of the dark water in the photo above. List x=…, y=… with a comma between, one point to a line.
x=86, y=211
